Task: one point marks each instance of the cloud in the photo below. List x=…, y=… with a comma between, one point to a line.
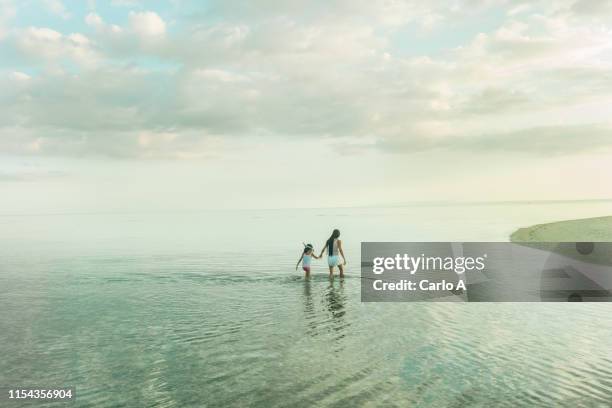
x=496, y=100
x=112, y=100
x=57, y=7
x=137, y=144
x=30, y=175
x=341, y=70
x=20, y=76
x=94, y=20
x=548, y=140
x=8, y=11
x=143, y=35
x=147, y=24
x=541, y=141
x=591, y=7
x=52, y=48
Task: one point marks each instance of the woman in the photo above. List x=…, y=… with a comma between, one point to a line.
x=334, y=247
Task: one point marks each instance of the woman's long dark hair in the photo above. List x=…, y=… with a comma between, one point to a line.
x=330, y=242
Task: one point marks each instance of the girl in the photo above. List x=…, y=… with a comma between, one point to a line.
x=334, y=249
x=306, y=257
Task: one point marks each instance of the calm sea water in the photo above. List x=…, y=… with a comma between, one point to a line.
x=206, y=309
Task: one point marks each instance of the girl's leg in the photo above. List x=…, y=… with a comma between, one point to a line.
x=341, y=268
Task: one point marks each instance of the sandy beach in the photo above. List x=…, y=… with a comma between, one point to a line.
x=597, y=229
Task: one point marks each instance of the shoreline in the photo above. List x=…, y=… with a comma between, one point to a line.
x=597, y=229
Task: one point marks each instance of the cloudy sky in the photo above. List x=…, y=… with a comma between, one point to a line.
x=128, y=105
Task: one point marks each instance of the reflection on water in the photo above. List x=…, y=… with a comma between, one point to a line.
x=309, y=309
x=335, y=299
x=332, y=299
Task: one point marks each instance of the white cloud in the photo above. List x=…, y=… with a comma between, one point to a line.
x=94, y=20
x=58, y=8
x=518, y=9
x=541, y=141
x=8, y=11
x=52, y=47
x=219, y=75
x=20, y=76
x=147, y=24
x=592, y=7
x=339, y=72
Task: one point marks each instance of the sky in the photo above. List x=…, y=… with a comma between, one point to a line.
x=185, y=105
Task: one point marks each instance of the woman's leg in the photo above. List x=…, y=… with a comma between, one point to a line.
x=331, y=271
x=341, y=268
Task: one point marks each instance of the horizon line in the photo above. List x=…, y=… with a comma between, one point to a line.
x=434, y=203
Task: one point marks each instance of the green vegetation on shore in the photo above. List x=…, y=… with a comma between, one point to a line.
x=588, y=229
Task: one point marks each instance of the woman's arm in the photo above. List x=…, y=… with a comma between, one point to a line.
x=323, y=250
x=300, y=260
x=341, y=251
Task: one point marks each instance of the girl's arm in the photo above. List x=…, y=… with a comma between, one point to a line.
x=300, y=260
x=315, y=255
x=341, y=251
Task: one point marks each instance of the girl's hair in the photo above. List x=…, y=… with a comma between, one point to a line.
x=330, y=241
x=308, y=247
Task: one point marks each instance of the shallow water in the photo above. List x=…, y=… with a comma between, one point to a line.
x=207, y=310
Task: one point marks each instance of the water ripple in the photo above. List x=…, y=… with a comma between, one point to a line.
x=167, y=332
